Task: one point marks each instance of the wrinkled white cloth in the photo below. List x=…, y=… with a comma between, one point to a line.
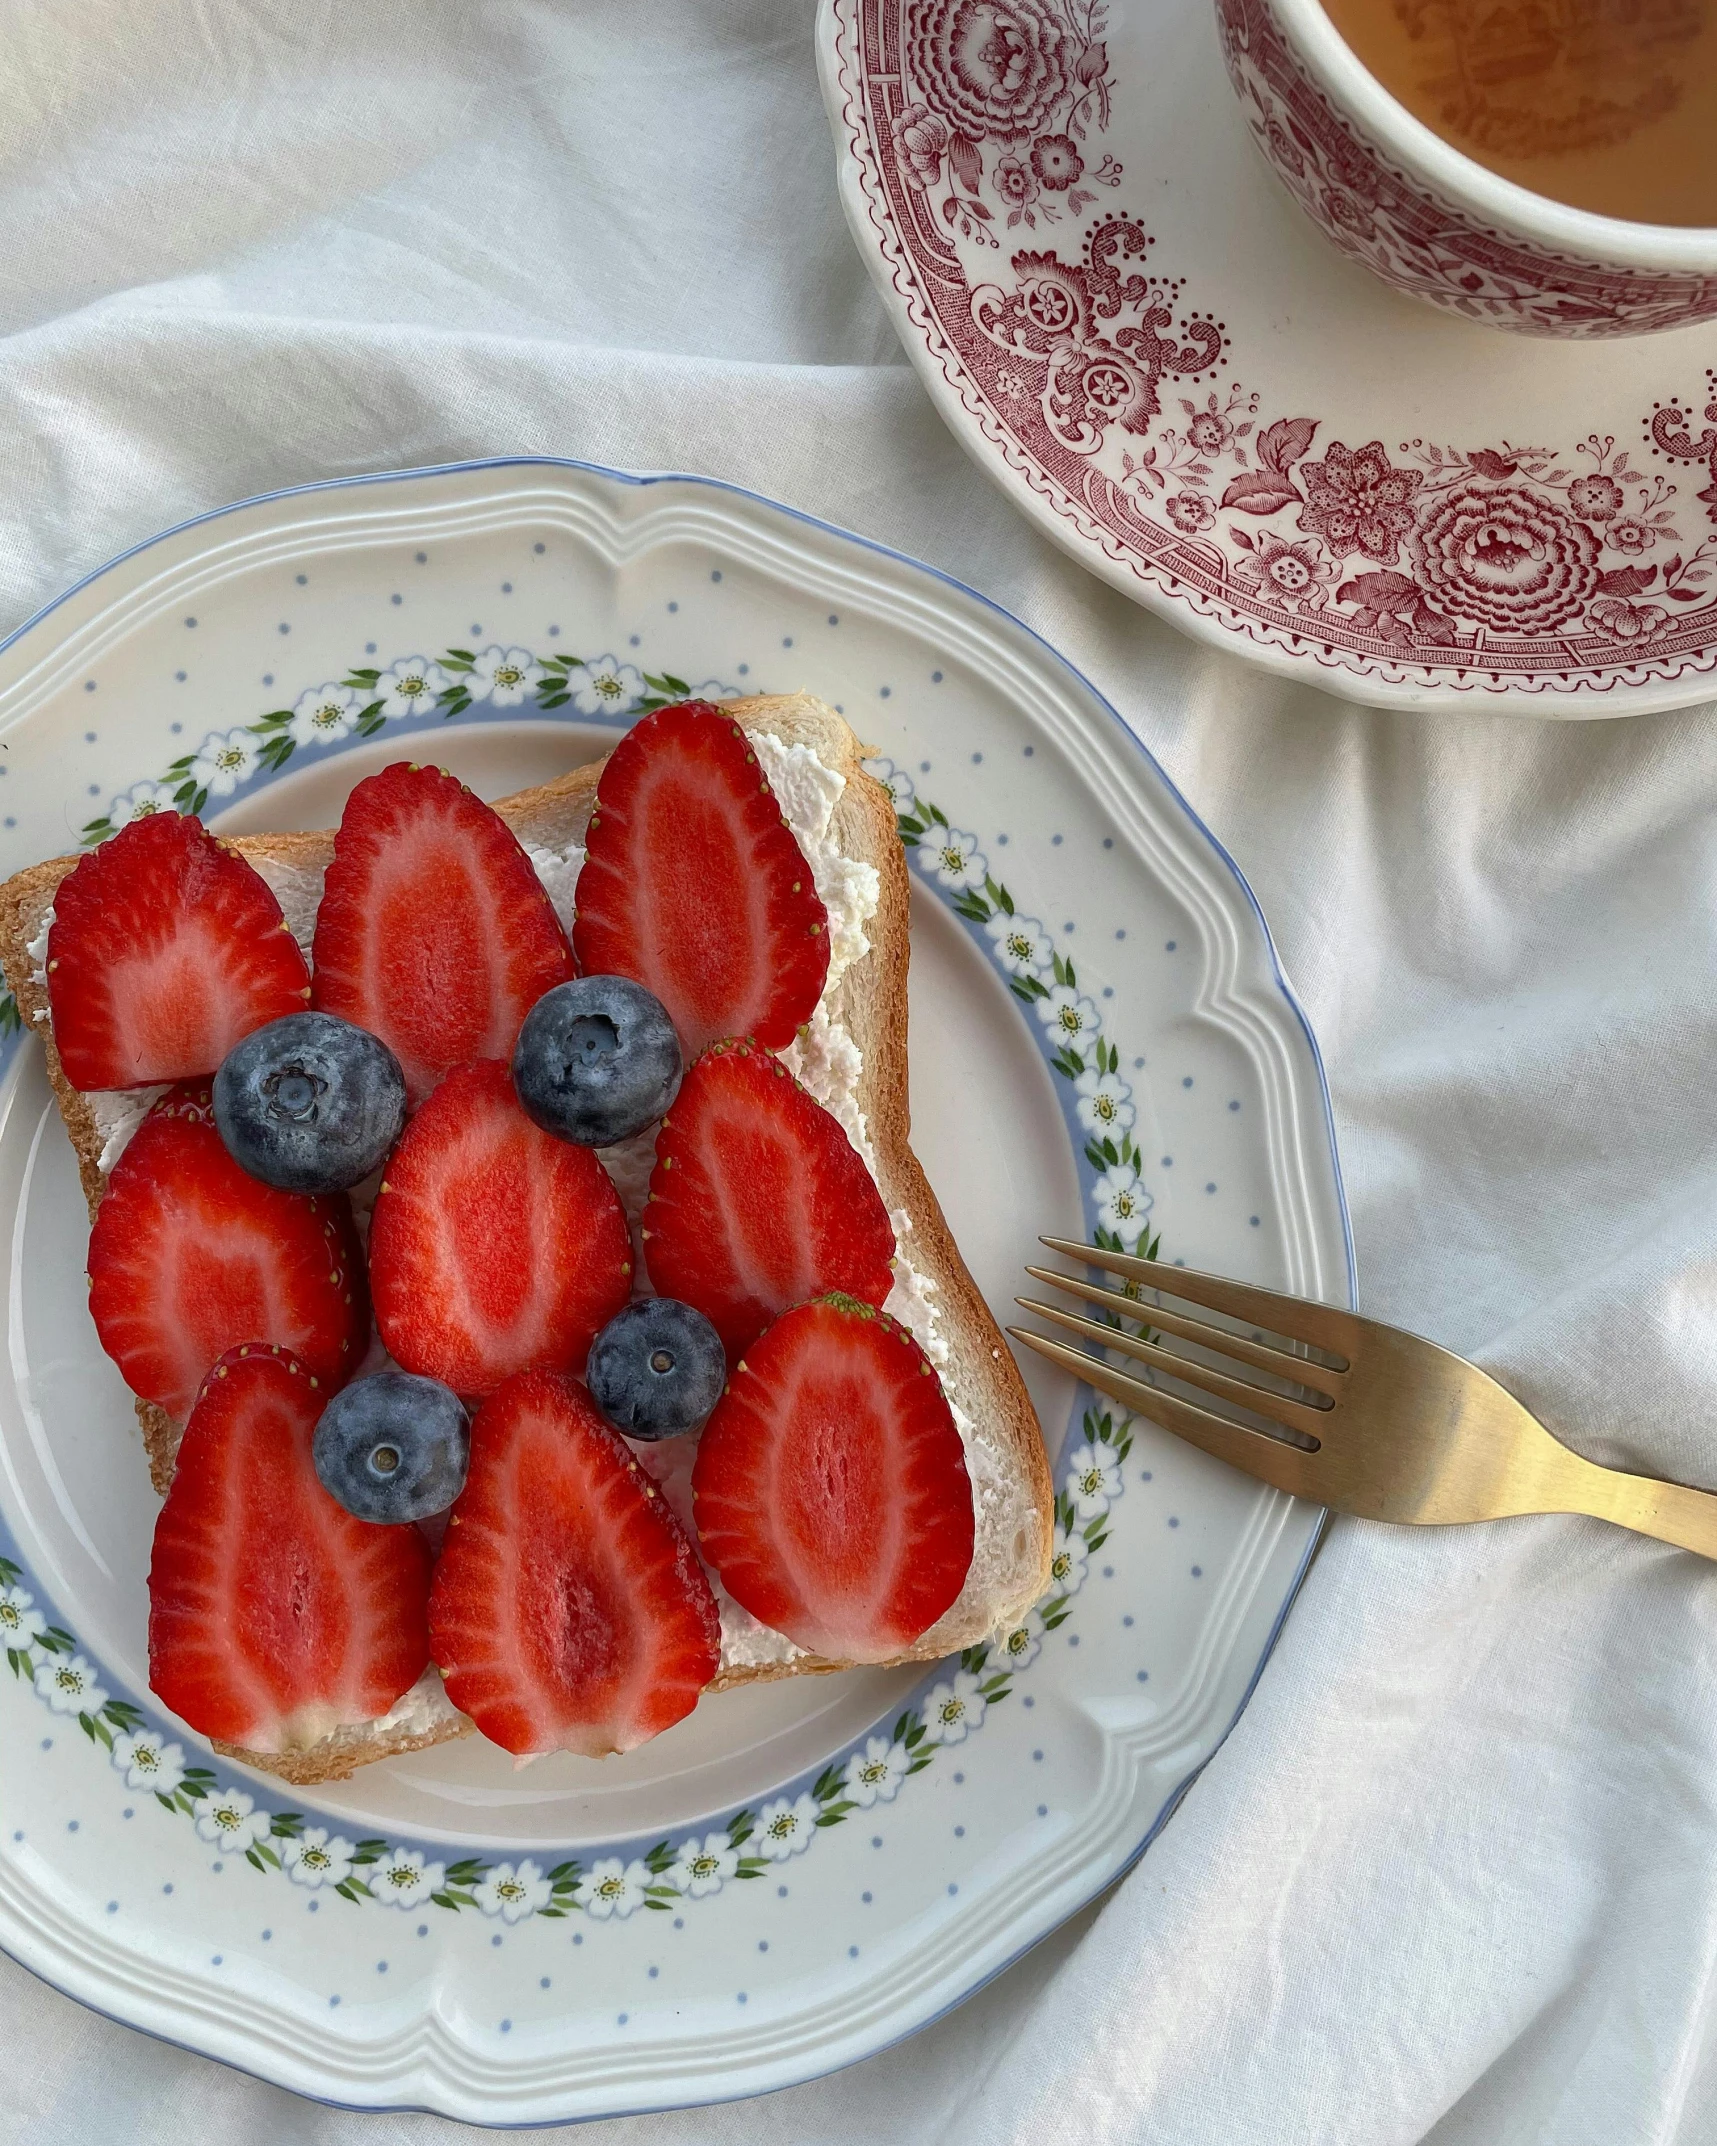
x=1452, y=1878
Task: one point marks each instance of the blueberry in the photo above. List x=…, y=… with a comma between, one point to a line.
x=310, y=1103
x=393, y=1447
x=597, y=1060
x=656, y=1369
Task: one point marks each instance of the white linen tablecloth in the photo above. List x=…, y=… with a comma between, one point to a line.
x=1452, y=1877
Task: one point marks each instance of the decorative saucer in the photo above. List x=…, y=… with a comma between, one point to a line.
x=1132, y=327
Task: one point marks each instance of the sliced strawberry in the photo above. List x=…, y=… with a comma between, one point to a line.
x=830, y=1485
x=434, y=932
x=165, y=949
x=274, y=1615
x=190, y=1256
x=694, y=885
x=759, y=1200
x=494, y=1247
x=569, y=1611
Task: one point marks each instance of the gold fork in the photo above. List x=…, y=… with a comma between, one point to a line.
x=1374, y=1421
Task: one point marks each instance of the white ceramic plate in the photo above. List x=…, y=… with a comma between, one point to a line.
x=1133, y=328
x=800, y=1874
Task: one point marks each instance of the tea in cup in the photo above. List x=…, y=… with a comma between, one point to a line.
x=1542, y=165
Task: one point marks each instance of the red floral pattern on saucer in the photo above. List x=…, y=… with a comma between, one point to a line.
x=1111, y=391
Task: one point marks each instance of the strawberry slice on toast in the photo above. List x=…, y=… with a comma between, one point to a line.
x=190, y=1256
x=758, y=1200
x=166, y=948
x=274, y=1615
x=694, y=885
x=434, y=932
x=494, y=1247
x=830, y=1485
x=569, y=1611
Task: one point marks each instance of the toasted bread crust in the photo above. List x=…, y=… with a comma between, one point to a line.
x=870, y=1001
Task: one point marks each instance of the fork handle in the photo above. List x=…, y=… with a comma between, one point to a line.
x=1670, y=1511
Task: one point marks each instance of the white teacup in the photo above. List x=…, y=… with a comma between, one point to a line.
x=1398, y=198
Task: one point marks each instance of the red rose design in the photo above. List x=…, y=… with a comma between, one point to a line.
x=921, y=137
x=996, y=68
x=1348, y=211
x=1209, y=433
x=1014, y=182
x=1282, y=147
x=1190, y=512
x=1514, y=561
x=1623, y=621
x=1296, y=576
x=1598, y=498
x=1056, y=162
x=1357, y=500
x=1632, y=536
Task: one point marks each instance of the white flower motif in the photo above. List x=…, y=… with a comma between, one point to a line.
x=1093, y=1479
x=147, y=1762
x=139, y=802
x=328, y=713
x=611, y=1887
x=412, y=687
x=1068, y=1562
x=1069, y=1016
x=953, y=1710
x=513, y=1891
x=1019, y=1647
x=1122, y=1201
x=713, y=689
x=1022, y=945
x=403, y=1878
x=1105, y=1102
x=896, y=781
x=784, y=1828
x=505, y=676
x=605, y=687
x=68, y=1684
x=877, y=1770
x=703, y=1866
x=20, y=1621
x=231, y=1820
x=313, y=1859
x=224, y=760
x=954, y=857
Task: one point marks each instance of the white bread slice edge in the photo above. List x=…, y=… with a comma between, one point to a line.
x=1016, y=1501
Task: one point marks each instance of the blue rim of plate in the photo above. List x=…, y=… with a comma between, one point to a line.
x=915, y=1697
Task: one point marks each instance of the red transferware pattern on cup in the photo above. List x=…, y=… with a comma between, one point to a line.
x=1414, y=238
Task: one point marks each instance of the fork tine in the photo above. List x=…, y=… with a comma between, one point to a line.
x=1297, y=1317
x=1258, y=1399
x=1298, y=1370
x=1284, y=1467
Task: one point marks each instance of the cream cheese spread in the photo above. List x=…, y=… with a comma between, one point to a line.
x=824, y=1058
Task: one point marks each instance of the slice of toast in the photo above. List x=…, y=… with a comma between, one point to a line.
x=1005, y=1453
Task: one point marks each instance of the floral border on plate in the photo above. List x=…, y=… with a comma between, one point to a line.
x=753, y=1838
